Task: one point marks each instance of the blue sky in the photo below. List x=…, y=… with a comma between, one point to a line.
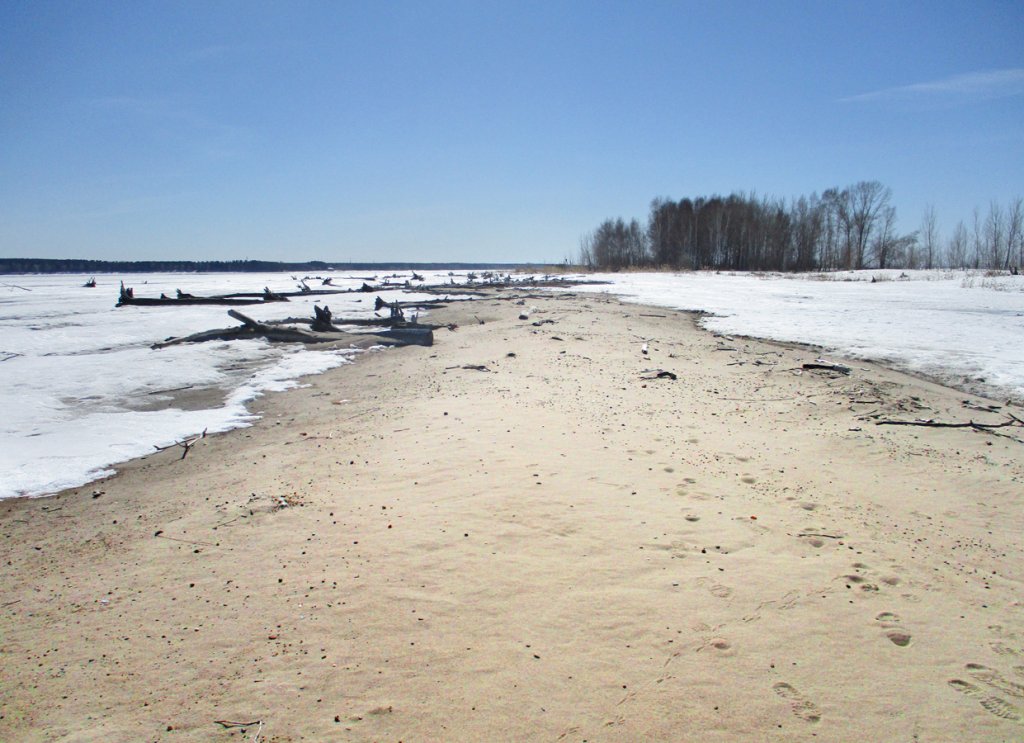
x=423, y=131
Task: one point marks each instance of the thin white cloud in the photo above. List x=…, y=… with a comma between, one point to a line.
x=958, y=88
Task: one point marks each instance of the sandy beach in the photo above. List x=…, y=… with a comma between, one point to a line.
x=525, y=533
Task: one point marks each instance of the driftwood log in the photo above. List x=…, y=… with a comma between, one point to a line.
x=380, y=304
x=127, y=297
x=322, y=320
x=340, y=322
x=827, y=366
x=417, y=335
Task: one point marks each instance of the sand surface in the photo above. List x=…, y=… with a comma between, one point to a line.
x=549, y=548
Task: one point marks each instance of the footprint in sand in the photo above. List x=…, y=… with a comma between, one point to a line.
x=996, y=680
x=802, y=707
x=888, y=619
x=788, y=600
x=716, y=643
x=891, y=621
x=994, y=705
x=860, y=581
x=900, y=639
x=715, y=589
x=1001, y=648
x=752, y=524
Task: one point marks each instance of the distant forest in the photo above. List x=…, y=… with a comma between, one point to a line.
x=60, y=265
x=849, y=228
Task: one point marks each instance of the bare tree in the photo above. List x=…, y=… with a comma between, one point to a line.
x=885, y=240
x=995, y=236
x=977, y=244
x=832, y=245
x=956, y=249
x=1015, y=233
x=807, y=231
x=868, y=201
x=929, y=236
x=586, y=254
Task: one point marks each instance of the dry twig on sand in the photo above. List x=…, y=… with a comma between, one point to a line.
x=471, y=367
x=227, y=724
x=160, y=535
x=929, y=423
x=231, y=724
x=185, y=444
x=990, y=428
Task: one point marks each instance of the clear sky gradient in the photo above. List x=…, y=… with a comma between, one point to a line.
x=481, y=131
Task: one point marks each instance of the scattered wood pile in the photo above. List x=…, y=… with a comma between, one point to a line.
x=474, y=287
x=323, y=327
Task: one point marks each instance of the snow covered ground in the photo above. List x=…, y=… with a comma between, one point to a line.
x=81, y=389
x=79, y=381
x=964, y=328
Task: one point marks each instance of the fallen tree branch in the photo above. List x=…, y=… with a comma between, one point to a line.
x=172, y=389
x=396, y=336
x=1013, y=421
x=380, y=304
x=250, y=328
x=826, y=366
x=160, y=535
x=227, y=724
x=186, y=444
x=985, y=408
x=657, y=374
x=762, y=399
x=471, y=367
x=229, y=521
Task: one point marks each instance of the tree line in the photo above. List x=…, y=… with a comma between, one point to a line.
x=76, y=265
x=849, y=228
